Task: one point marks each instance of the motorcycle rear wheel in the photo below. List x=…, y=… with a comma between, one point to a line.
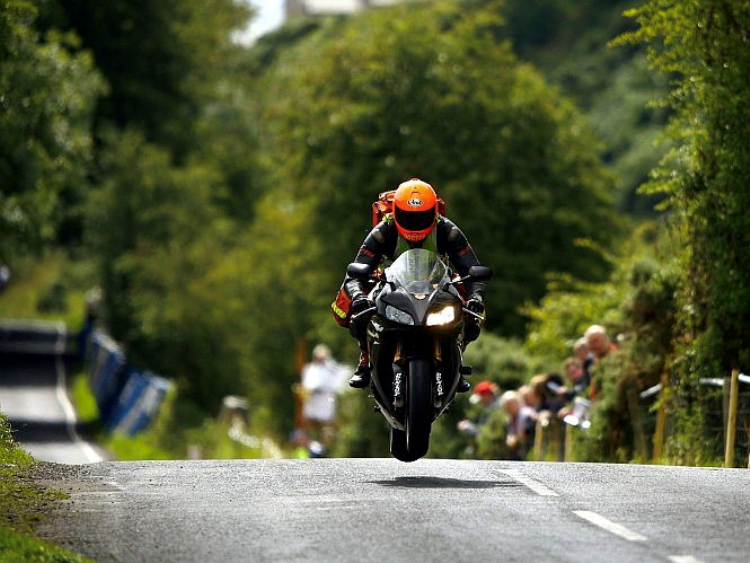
x=419, y=408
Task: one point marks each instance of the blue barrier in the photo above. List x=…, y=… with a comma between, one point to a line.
x=106, y=372
x=128, y=399
x=139, y=402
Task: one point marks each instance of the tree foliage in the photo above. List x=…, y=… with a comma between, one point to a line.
x=160, y=58
x=637, y=305
x=47, y=92
x=704, y=46
x=569, y=43
x=230, y=188
x=358, y=107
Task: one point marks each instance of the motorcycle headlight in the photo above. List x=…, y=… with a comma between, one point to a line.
x=443, y=316
x=398, y=316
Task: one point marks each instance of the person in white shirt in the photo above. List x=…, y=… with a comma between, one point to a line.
x=519, y=425
x=322, y=379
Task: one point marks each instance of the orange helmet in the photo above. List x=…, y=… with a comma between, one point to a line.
x=415, y=209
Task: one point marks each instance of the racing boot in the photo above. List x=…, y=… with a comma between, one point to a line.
x=463, y=385
x=361, y=377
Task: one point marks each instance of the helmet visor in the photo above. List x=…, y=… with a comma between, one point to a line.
x=415, y=220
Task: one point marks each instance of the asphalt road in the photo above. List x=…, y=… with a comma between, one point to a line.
x=384, y=510
x=358, y=510
x=33, y=393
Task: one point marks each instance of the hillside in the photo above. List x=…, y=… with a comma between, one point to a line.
x=613, y=87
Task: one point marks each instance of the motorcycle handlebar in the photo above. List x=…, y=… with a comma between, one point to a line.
x=473, y=314
x=363, y=313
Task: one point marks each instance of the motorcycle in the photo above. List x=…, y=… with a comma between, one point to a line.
x=415, y=335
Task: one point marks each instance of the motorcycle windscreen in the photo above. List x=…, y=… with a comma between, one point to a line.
x=418, y=271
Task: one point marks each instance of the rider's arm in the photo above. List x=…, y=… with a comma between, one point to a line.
x=453, y=242
x=381, y=241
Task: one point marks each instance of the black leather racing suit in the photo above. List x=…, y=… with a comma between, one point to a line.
x=383, y=241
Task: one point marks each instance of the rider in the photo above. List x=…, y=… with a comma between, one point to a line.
x=414, y=223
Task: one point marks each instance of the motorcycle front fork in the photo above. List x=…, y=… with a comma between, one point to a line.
x=398, y=375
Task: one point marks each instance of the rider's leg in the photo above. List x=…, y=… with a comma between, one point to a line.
x=361, y=377
x=463, y=385
x=471, y=333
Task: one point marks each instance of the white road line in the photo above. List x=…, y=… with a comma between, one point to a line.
x=683, y=559
x=62, y=397
x=536, y=486
x=608, y=525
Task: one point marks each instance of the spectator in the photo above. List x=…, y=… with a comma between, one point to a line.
x=581, y=349
x=520, y=423
x=93, y=300
x=529, y=398
x=300, y=442
x=304, y=448
x=579, y=380
x=598, y=341
x=4, y=277
x=321, y=381
x=487, y=394
x=579, y=384
x=601, y=346
x=582, y=353
x=542, y=394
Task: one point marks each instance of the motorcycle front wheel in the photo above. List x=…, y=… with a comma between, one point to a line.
x=398, y=447
x=418, y=407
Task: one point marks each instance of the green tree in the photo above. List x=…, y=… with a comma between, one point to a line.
x=226, y=136
x=704, y=46
x=359, y=106
x=568, y=43
x=160, y=58
x=175, y=184
x=47, y=92
x=195, y=294
x=637, y=305
x=148, y=222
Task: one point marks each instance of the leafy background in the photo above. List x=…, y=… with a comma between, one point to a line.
x=215, y=192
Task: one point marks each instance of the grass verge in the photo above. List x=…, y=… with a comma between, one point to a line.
x=180, y=431
x=22, y=505
x=51, y=289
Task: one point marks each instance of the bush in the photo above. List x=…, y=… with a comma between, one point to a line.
x=701, y=45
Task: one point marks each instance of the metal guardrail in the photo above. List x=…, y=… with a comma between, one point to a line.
x=128, y=399
x=33, y=337
x=550, y=439
x=709, y=381
x=651, y=391
x=730, y=411
x=719, y=381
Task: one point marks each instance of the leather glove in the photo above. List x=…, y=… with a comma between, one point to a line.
x=475, y=304
x=357, y=327
x=361, y=303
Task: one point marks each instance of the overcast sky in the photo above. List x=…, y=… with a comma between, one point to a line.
x=269, y=14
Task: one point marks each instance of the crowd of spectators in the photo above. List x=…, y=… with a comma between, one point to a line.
x=509, y=416
x=546, y=397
